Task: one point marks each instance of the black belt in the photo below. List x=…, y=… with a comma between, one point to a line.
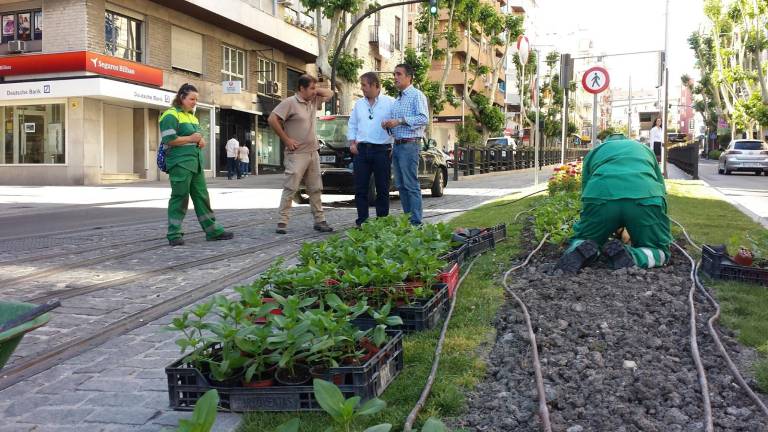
x=374, y=144
x=406, y=140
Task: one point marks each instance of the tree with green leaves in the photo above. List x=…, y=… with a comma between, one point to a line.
x=730, y=58
x=339, y=14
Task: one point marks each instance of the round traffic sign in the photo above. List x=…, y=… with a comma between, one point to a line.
x=595, y=80
x=523, y=48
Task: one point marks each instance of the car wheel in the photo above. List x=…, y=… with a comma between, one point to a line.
x=437, y=184
x=758, y=172
x=301, y=198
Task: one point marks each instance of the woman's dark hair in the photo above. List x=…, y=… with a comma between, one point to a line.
x=371, y=78
x=184, y=90
x=657, y=119
x=305, y=81
x=408, y=69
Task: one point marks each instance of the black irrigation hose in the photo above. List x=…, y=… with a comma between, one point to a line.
x=543, y=409
x=436, y=362
x=713, y=332
x=709, y=423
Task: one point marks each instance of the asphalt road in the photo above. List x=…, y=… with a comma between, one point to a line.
x=744, y=189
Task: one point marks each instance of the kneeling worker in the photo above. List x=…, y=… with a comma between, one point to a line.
x=622, y=186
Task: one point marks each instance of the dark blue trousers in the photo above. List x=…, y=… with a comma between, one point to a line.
x=372, y=159
x=233, y=167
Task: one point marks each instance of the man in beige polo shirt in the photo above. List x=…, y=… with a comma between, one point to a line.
x=293, y=120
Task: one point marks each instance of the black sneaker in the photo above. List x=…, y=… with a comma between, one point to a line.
x=176, y=242
x=583, y=254
x=618, y=255
x=282, y=228
x=322, y=227
x=225, y=235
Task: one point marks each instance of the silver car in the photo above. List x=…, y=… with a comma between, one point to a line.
x=744, y=155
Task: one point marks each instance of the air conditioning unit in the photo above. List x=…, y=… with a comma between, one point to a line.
x=273, y=87
x=16, y=46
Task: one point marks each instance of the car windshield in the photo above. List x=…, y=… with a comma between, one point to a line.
x=497, y=141
x=748, y=145
x=333, y=130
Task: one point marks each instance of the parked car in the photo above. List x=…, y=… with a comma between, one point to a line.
x=744, y=155
x=337, y=169
x=505, y=143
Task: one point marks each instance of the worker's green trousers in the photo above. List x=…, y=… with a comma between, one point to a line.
x=645, y=219
x=186, y=184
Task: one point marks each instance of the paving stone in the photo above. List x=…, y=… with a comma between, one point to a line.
x=110, y=385
x=17, y=428
x=129, y=416
x=154, y=384
x=226, y=422
x=24, y=405
x=146, y=363
x=66, y=384
x=170, y=418
x=57, y=416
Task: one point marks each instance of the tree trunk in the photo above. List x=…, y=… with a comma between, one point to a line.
x=448, y=52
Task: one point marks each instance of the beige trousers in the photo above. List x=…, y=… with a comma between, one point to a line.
x=302, y=167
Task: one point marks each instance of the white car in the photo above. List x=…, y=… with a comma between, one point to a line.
x=744, y=155
x=505, y=143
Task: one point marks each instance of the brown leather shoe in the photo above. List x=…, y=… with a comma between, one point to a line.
x=322, y=227
x=282, y=228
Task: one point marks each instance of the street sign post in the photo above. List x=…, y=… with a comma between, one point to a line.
x=595, y=80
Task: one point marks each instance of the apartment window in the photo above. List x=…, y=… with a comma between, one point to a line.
x=233, y=64
x=376, y=64
x=292, y=82
x=267, y=6
x=23, y=25
x=267, y=72
x=122, y=36
x=410, y=35
x=397, y=33
x=187, y=51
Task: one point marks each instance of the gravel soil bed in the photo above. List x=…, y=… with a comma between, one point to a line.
x=615, y=354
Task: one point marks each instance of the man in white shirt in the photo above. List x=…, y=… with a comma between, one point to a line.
x=232, y=146
x=371, y=146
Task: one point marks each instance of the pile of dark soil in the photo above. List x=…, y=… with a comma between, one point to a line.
x=615, y=353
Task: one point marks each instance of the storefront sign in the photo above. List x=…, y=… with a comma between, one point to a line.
x=231, y=87
x=86, y=87
x=80, y=61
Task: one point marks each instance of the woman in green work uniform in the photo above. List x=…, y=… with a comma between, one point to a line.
x=180, y=133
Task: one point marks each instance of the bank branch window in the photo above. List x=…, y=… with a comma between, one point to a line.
x=33, y=134
x=122, y=36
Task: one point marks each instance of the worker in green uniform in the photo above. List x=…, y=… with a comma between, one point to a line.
x=180, y=133
x=622, y=186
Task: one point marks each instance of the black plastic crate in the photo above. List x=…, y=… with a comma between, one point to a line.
x=187, y=384
x=455, y=256
x=499, y=232
x=416, y=317
x=718, y=265
x=480, y=244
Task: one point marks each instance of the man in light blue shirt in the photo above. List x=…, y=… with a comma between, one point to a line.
x=407, y=122
x=371, y=146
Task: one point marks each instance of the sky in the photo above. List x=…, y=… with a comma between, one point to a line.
x=618, y=26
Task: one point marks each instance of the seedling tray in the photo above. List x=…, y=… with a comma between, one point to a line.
x=417, y=316
x=186, y=384
x=480, y=244
x=450, y=278
x=718, y=265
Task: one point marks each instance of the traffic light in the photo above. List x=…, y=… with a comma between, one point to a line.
x=433, y=7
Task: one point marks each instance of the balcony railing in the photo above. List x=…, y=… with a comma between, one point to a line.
x=375, y=34
x=299, y=19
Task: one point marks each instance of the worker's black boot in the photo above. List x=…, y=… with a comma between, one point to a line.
x=617, y=254
x=582, y=255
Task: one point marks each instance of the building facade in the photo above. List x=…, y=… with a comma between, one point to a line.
x=84, y=82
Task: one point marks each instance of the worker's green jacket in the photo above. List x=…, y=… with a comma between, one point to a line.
x=620, y=169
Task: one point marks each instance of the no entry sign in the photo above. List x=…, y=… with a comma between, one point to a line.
x=595, y=80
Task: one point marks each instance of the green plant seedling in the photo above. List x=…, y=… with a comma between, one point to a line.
x=204, y=414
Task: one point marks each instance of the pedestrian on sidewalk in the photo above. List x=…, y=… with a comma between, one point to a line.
x=181, y=134
x=657, y=138
x=233, y=167
x=622, y=187
x=244, y=158
x=293, y=120
x=371, y=146
x=408, y=120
